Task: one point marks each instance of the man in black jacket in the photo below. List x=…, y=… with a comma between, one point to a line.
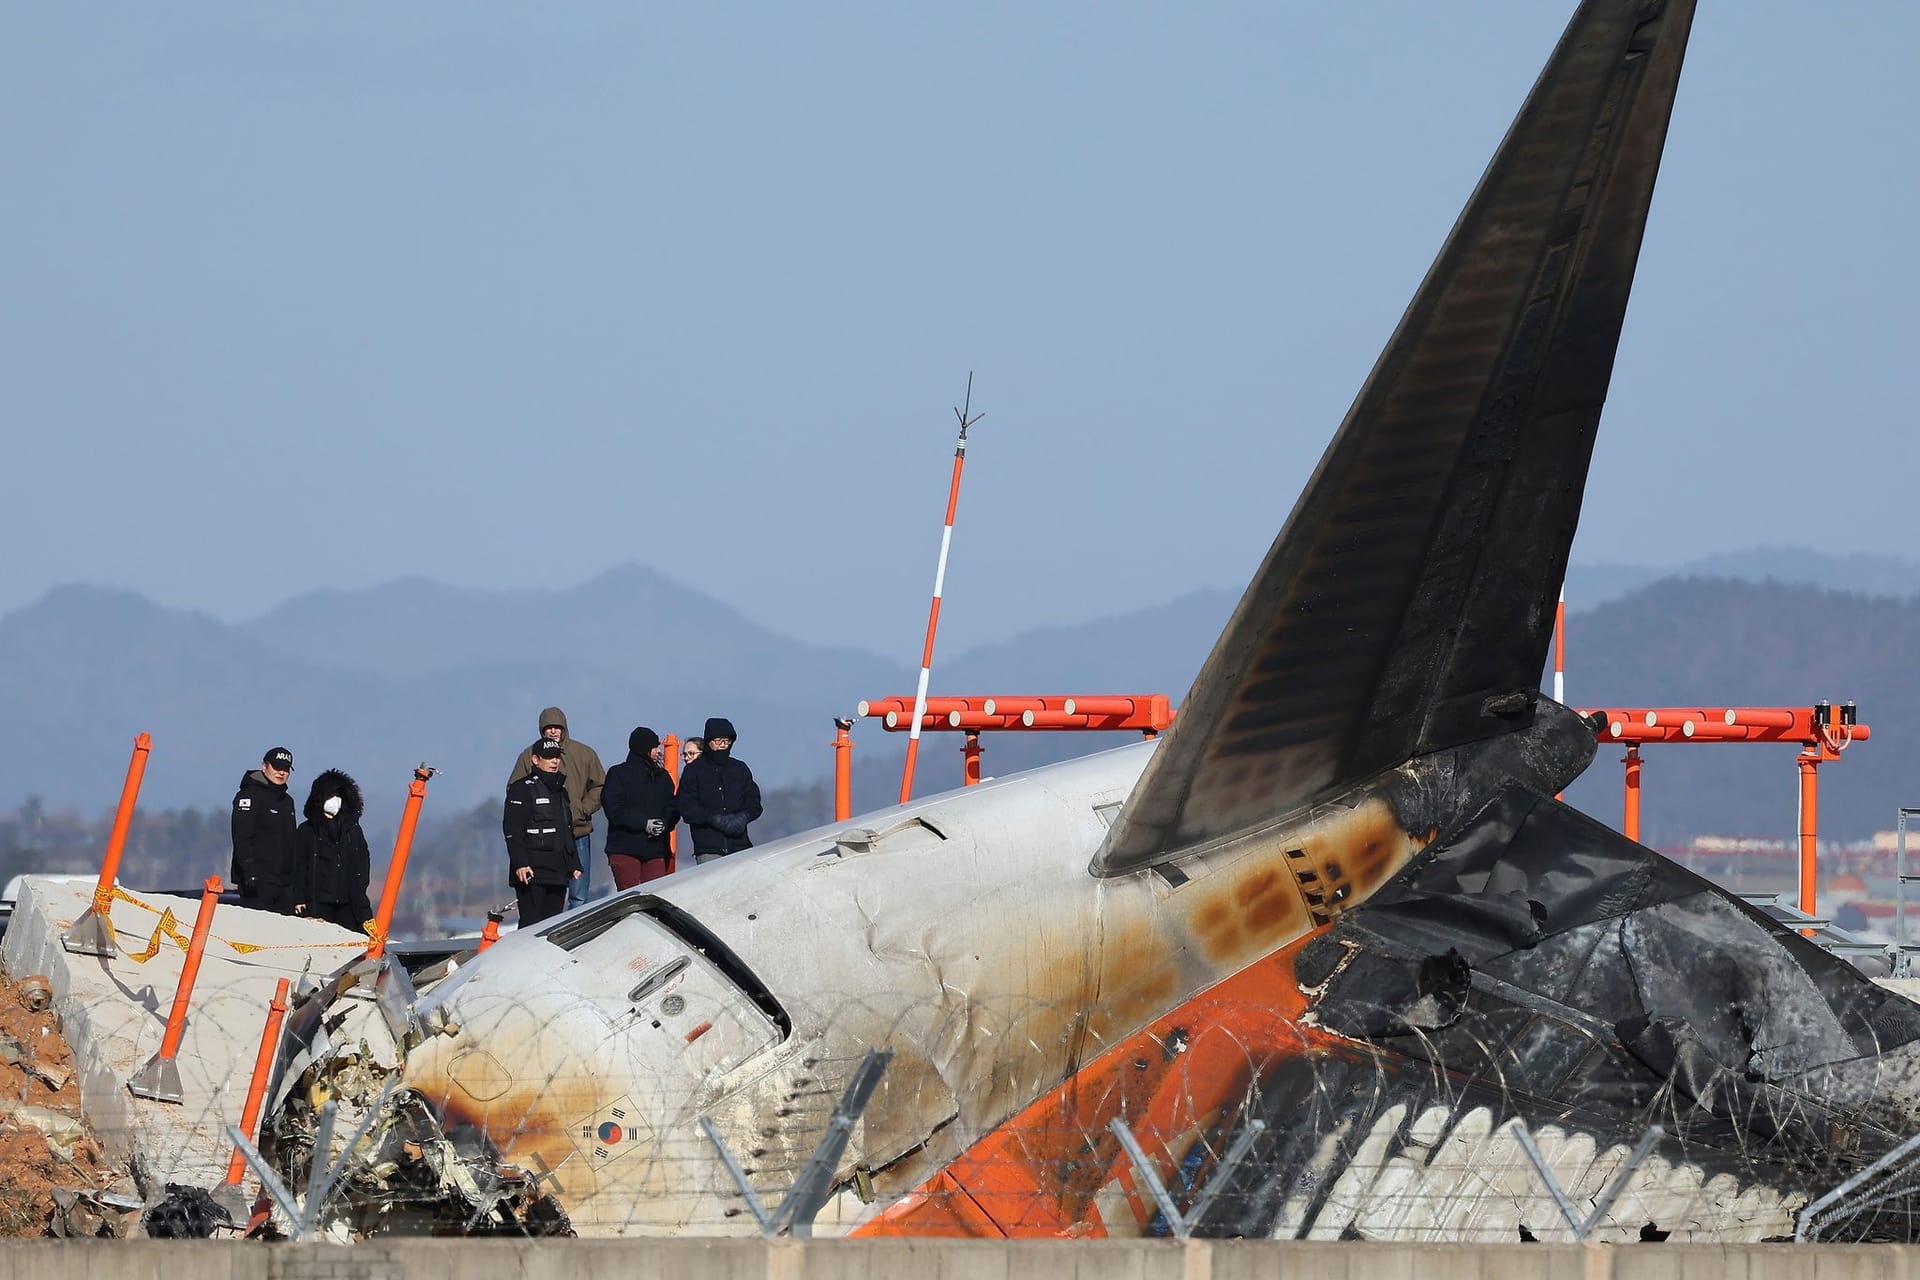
x=718, y=796
x=638, y=801
x=332, y=864
x=263, y=826
x=541, y=857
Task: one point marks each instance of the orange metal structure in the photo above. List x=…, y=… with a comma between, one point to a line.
x=490, y=934
x=1139, y=713
x=938, y=707
x=92, y=933
x=159, y=1079
x=1147, y=714
x=1809, y=829
x=1815, y=729
x=257, y=1087
x=190, y=971
x=397, y=869
x=1630, y=818
x=671, y=755
x=842, y=769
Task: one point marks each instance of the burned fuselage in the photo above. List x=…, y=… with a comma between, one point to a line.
x=1335, y=912
x=961, y=932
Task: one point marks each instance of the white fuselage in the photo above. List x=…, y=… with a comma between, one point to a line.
x=963, y=932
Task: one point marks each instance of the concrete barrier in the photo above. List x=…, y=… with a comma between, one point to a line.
x=685, y=1259
x=114, y=1014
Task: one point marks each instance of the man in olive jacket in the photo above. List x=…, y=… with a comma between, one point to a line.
x=580, y=766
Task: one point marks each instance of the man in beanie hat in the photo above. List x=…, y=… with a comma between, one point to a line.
x=541, y=855
x=585, y=776
x=263, y=827
x=638, y=800
x=718, y=796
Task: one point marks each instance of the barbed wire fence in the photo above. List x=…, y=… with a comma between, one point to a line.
x=552, y=1114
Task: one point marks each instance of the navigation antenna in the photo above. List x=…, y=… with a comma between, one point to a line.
x=967, y=419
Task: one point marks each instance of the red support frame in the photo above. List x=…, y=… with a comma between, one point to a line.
x=1820, y=736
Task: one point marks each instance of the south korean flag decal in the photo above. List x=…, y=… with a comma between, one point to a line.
x=610, y=1133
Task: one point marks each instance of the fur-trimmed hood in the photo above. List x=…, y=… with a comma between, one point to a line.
x=333, y=783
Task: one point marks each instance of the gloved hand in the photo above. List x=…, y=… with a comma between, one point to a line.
x=655, y=828
x=731, y=824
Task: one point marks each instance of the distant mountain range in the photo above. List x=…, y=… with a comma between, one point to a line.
x=1714, y=641
x=1589, y=585
x=376, y=680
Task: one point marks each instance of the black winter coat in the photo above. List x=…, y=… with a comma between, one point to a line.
x=718, y=792
x=263, y=826
x=539, y=828
x=638, y=791
x=332, y=863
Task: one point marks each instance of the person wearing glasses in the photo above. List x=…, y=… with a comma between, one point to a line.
x=690, y=751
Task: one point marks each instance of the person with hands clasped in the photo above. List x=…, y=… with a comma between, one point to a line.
x=718, y=796
x=542, y=859
x=638, y=800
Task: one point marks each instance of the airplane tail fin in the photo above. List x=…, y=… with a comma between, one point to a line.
x=1407, y=603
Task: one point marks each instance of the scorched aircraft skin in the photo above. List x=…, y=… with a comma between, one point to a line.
x=1336, y=898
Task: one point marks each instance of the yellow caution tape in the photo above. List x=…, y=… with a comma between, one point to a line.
x=169, y=930
x=166, y=928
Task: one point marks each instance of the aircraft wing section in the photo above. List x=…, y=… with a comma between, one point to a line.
x=1408, y=601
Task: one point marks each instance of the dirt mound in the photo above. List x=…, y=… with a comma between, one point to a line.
x=44, y=1147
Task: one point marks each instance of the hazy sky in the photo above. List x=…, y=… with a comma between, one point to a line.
x=321, y=294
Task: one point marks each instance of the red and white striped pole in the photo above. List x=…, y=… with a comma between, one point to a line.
x=1560, y=648
x=1560, y=670
x=939, y=584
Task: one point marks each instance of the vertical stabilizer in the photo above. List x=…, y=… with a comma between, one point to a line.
x=1407, y=604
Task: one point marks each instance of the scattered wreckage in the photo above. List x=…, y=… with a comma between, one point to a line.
x=1323, y=955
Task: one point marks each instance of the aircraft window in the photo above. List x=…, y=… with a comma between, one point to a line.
x=579, y=930
x=1107, y=813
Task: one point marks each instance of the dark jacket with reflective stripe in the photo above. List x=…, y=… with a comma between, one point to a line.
x=263, y=827
x=539, y=828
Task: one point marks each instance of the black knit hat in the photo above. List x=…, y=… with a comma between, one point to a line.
x=720, y=728
x=642, y=740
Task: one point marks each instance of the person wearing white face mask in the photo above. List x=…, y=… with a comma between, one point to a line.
x=331, y=861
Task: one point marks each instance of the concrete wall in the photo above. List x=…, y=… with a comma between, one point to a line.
x=945, y=1260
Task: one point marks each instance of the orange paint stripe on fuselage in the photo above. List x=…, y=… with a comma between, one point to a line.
x=1039, y=1173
